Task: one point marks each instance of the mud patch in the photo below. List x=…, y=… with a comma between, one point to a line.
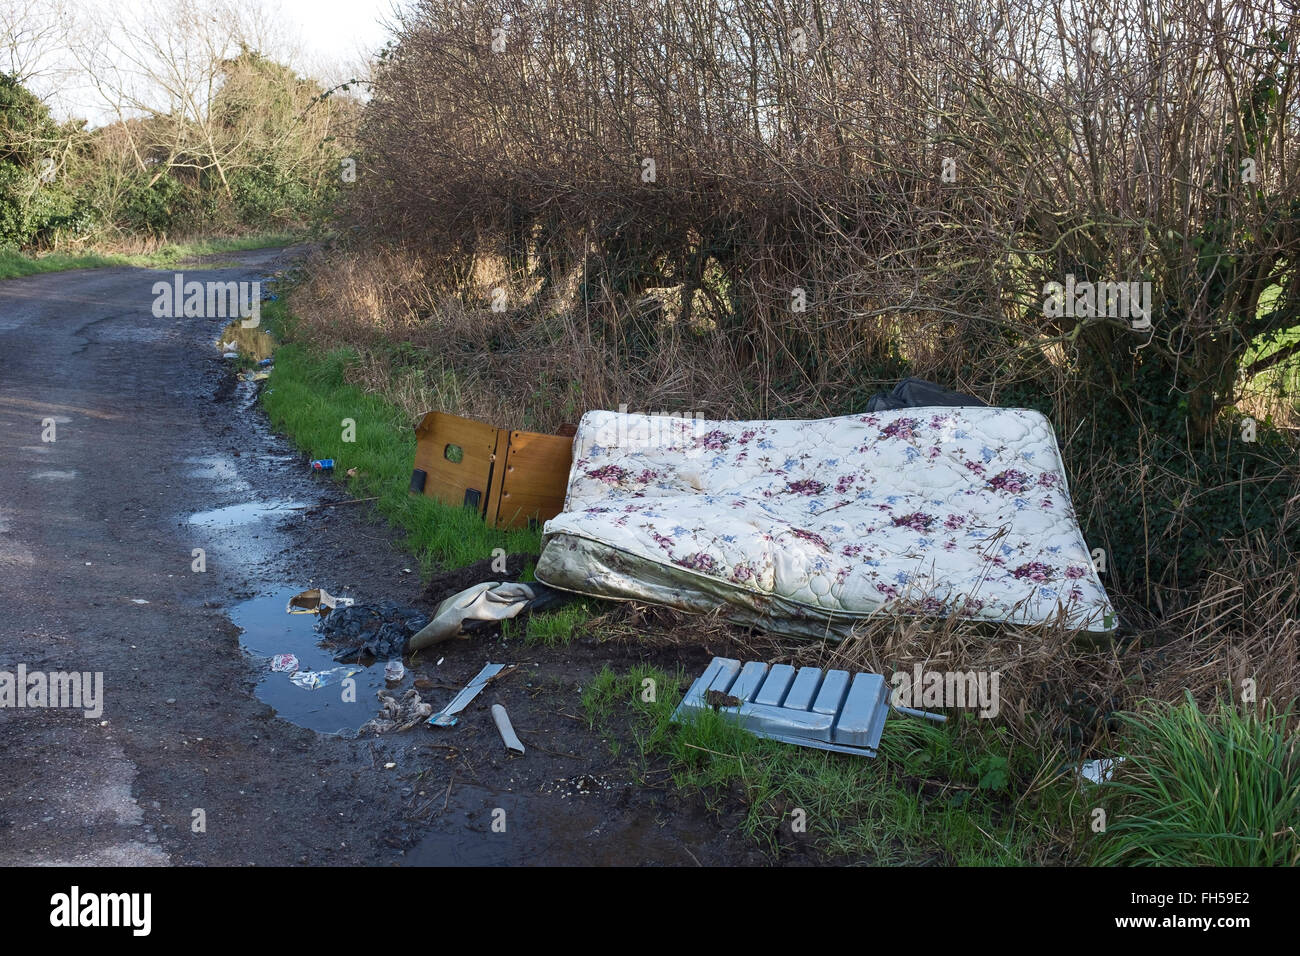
x=446, y=583
x=484, y=828
x=225, y=389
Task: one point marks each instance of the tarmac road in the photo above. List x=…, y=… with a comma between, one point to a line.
x=96, y=520
x=96, y=576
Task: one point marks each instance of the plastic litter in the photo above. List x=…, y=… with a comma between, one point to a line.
x=394, y=671
x=380, y=630
x=447, y=716
x=1099, y=771
x=489, y=601
x=920, y=393
x=397, y=713
x=284, y=663
x=508, y=736
x=317, y=601
x=312, y=680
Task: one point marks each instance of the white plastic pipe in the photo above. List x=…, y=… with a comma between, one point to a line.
x=502, y=720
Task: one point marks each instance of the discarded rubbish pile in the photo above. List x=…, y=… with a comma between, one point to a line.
x=397, y=714
x=931, y=503
x=808, y=527
x=390, y=630
x=402, y=713
x=380, y=630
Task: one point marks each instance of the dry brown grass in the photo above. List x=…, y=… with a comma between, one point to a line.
x=538, y=364
x=1059, y=690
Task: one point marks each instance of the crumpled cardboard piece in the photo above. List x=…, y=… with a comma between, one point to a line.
x=316, y=601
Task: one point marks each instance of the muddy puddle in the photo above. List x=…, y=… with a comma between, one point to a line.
x=485, y=828
x=251, y=342
x=318, y=693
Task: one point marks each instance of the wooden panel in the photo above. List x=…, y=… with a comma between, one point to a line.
x=448, y=480
x=533, y=481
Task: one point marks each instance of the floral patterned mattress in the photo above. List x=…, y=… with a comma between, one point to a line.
x=806, y=527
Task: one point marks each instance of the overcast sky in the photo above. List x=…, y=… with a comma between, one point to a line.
x=330, y=39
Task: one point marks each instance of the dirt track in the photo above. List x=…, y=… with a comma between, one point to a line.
x=148, y=434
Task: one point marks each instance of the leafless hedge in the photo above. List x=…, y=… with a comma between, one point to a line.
x=775, y=207
x=908, y=172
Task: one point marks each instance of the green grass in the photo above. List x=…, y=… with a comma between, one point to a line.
x=557, y=628
x=959, y=794
x=1282, y=379
x=14, y=263
x=308, y=398
x=1198, y=789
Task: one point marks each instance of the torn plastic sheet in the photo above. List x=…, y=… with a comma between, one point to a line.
x=487, y=601
x=507, y=732
x=1099, y=771
x=312, y=680
x=920, y=393
x=284, y=663
x=447, y=716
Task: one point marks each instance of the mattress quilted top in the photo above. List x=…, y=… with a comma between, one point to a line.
x=920, y=510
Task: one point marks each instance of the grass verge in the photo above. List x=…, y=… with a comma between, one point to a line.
x=309, y=398
x=1204, y=789
x=559, y=627
x=14, y=263
x=959, y=794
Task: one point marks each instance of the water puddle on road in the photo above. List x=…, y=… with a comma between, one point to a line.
x=251, y=342
x=334, y=705
x=241, y=514
x=217, y=468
